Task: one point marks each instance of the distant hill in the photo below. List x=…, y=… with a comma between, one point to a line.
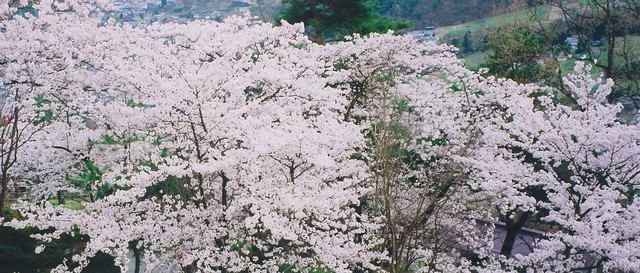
x=421, y=12
x=442, y=12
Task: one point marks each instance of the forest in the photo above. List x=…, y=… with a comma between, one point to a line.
x=442, y=12
x=249, y=146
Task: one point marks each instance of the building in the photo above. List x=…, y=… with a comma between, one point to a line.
x=428, y=34
x=572, y=43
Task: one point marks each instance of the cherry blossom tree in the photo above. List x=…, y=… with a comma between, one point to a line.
x=595, y=160
x=38, y=65
x=213, y=147
x=416, y=127
x=243, y=147
x=574, y=166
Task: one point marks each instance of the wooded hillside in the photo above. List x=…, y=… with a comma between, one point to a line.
x=441, y=12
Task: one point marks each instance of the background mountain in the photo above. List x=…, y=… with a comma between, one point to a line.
x=441, y=12
x=421, y=12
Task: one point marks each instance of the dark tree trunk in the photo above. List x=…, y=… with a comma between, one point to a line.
x=3, y=196
x=8, y=158
x=512, y=229
x=316, y=18
x=136, y=254
x=60, y=197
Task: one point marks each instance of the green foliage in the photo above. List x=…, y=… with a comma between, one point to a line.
x=443, y=12
x=401, y=106
x=28, y=9
x=170, y=186
x=378, y=24
x=164, y=153
x=43, y=113
x=106, y=139
x=133, y=104
x=384, y=78
x=86, y=178
x=114, y=142
x=89, y=178
x=329, y=20
x=519, y=54
x=148, y=163
x=68, y=203
x=160, y=139
x=17, y=252
x=238, y=245
x=434, y=141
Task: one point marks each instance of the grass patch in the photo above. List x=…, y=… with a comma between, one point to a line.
x=496, y=21
x=600, y=53
x=568, y=65
x=69, y=203
x=475, y=60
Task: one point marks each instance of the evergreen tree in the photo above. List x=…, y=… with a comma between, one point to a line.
x=518, y=53
x=328, y=20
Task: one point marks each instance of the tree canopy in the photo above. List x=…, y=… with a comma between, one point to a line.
x=333, y=19
x=240, y=146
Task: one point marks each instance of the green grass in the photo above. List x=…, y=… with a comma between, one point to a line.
x=633, y=43
x=496, y=21
x=474, y=60
x=68, y=203
x=568, y=65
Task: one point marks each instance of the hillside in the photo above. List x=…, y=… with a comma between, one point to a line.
x=441, y=12
x=420, y=12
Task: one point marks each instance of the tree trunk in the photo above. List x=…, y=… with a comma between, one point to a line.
x=318, y=39
x=611, y=45
x=60, y=197
x=3, y=196
x=609, y=9
x=513, y=228
x=9, y=160
x=136, y=254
